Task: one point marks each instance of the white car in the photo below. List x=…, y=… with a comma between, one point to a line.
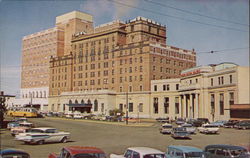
x=22, y=128
x=190, y=129
x=208, y=129
x=140, y=152
x=166, y=128
x=43, y=135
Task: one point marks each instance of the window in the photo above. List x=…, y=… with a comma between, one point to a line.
x=177, y=86
x=221, y=104
x=130, y=107
x=164, y=87
x=166, y=105
x=141, y=89
x=177, y=110
x=140, y=108
x=121, y=107
x=212, y=82
x=155, y=87
x=156, y=105
x=231, y=98
x=95, y=105
x=168, y=88
x=136, y=155
x=222, y=80
x=230, y=78
x=212, y=104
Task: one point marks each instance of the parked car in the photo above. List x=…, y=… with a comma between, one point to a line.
x=140, y=152
x=163, y=120
x=79, y=152
x=199, y=122
x=219, y=123
x=243, y=124
x=231, y=123
x=190, y=129
x=43, y=135
x=22, y=128
x=78, y=116
x=180, y=132
x=208, y=129
x=15, y=122
x=179, y=121
x=13, y=153
x=184, y=152
x=166, y=128
x=225, y=151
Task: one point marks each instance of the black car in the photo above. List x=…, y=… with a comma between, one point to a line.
x=231, y=123
x=243, y=125
x=9, y=153
x=199, y=121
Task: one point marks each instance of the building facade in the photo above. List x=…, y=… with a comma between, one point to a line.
x=38, y=48
x=118, y=57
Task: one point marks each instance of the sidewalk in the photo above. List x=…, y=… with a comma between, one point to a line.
x=143, y=123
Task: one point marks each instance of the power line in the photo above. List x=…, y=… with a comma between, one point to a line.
x=194, y=13
x=176, y=17
x=223, y=50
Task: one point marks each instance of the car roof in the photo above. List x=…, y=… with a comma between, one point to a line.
x=166, y=124
x=44, y=128
x=186, y=149
x=83, y=150
x=224, y=146
x=12, y=151
x=145, y=150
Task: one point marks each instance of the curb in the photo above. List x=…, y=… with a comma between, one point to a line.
x=109, y=123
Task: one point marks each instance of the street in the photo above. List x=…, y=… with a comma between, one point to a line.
x=116, y=138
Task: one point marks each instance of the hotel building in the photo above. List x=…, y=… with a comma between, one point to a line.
x=115, y=59
x=37, y=49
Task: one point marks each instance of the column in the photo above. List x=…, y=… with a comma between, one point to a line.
x=180, y=103
x=191, y=106
x=184, y=106
x=196, y=105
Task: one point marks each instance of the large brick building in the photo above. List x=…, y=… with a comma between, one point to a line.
x=37, y=49
x=115, y=58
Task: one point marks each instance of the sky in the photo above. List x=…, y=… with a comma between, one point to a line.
x=204, y=25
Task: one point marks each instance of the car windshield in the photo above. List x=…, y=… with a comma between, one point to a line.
x=16, y=156
x=211, y=126
x=90, y=155
x=193, y=154
x=35, y=131
x=167, y=126
x=154, y=156
x=186, y=125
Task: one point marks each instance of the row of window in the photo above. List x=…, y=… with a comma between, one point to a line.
x=220, y=80
x=221, y=102
x=166, y=87
x=37, y=94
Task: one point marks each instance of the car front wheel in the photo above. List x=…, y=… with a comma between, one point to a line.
x=64, y=140
x=40, y=142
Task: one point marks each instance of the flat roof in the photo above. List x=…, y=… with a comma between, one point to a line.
x=72, y=15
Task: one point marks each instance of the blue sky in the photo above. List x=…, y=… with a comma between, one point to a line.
x=188, y=26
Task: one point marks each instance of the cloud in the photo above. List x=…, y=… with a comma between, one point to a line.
x=101, y=8
x=123, y=10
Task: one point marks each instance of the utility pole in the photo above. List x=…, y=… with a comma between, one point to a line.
x=127, y=108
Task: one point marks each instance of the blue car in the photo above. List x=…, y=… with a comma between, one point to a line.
x=12, y=124
x=13, y=153
x=184, y=152
x=219, y=123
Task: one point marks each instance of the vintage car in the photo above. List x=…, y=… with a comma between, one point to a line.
x=226, y=151
x=79, y=152
x=140, y=152
x=13, y=153
x=180, y=132
x=231, y=123
x=208, y=129
x=43, y=135
x=180, y=121
x=219, y=123
x=166, y=128
x=163, y=120
x=245, y=124
x=184, y=152
x=15, y=123
x=22, y=128
x=190, y=129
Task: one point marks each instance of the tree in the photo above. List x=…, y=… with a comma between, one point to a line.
x=2, y=110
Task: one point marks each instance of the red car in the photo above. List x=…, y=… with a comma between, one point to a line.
x=79, y=152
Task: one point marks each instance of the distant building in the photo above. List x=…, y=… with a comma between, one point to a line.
x=115, y=58
x=8, y=99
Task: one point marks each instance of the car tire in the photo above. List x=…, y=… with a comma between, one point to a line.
x=40, y=142
x=64, y=140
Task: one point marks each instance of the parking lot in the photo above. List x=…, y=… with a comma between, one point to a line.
x=114, y=138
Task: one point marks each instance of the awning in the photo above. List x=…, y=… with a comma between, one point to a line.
x=80, y=105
